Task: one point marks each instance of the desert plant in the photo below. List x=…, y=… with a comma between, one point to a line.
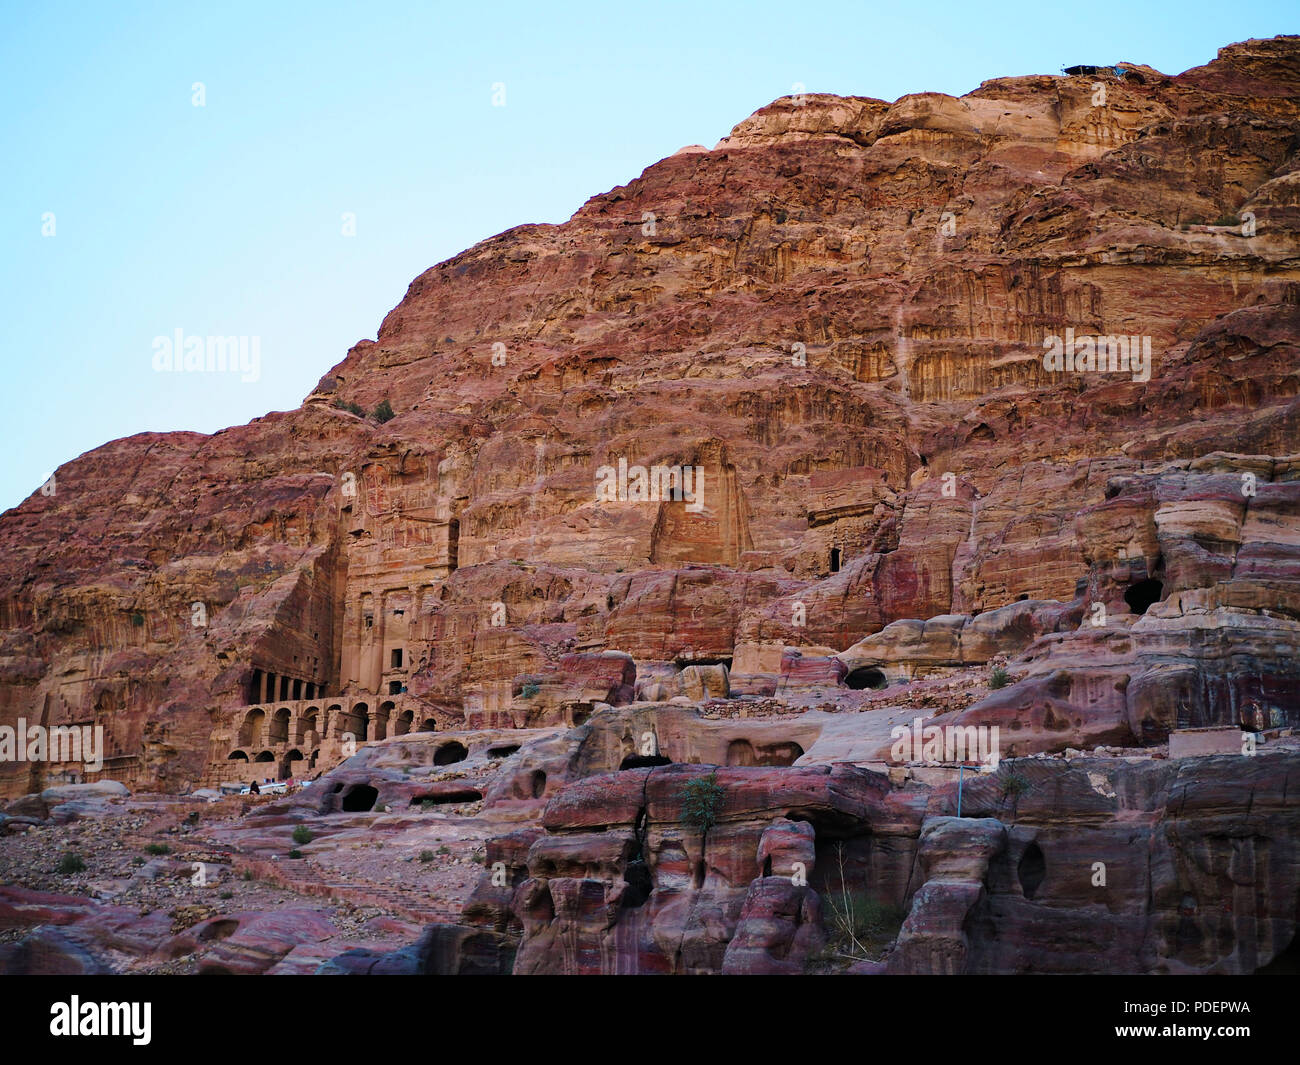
x=302, y=834
x=295, y=853
x=444, y=850
x=70, y=863
x=351, y=408
x=999, y=678
x=383, y=412
x=158, y=848
x=701, y=801
x=529, y=690
x=858, y=925
x=426, y=856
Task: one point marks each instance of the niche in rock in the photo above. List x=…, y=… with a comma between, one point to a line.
x=449, y=753
x=1143, y=595
x=1032, y=870
x=865, y=677
x=643, y=761
x=449, y=797
x=359, y=798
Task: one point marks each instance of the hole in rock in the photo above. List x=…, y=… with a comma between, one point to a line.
x=448, y=797
x=643, y=761
x=429, y=725
x=538, y=784
x=450, y=752
x=835, y=560
x=865, y=677
x=502, y=752
x=640, y=884
x=1143, y=594
x=359, y=799
x=218, y=930
x=1032, y=870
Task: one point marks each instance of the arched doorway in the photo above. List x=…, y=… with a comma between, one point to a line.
x=250, y=732
x=308, y=726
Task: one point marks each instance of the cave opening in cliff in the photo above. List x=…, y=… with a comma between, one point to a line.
x=835, y=560
x=287, y=767
x=449, y=798
x=449, y=753
x=453, y=544
x=358, y=799
x=537, y=783
x=643, y=761
x=865, y=677
x=1032, y=870
x=1144, y=594
x=503, y=752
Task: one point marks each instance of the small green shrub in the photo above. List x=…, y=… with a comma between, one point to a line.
x=158, y=848
x=226, y=895
x=302, y=834
x=383, y=412
x=444, y=850
x=351, y=408
x=295, y=853
x=701, y=801
x=529, y=690
x=1013, y=784
x=70, y=863
x=426, y=856
x=1000, y=678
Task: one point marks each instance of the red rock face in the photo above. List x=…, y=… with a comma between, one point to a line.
x=822, y=344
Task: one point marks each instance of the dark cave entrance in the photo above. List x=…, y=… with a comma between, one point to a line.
x=835, y=560
x=1143, y=594
x=359, y=799
x=865, y=677
x=449, y=753
x=1032, y=870
x=643, y=761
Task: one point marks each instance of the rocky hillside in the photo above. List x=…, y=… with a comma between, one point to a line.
x=856, y=323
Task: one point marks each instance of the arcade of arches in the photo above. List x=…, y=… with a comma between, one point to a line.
x=304, y=737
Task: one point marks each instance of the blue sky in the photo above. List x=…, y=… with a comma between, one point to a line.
x=226, y=219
